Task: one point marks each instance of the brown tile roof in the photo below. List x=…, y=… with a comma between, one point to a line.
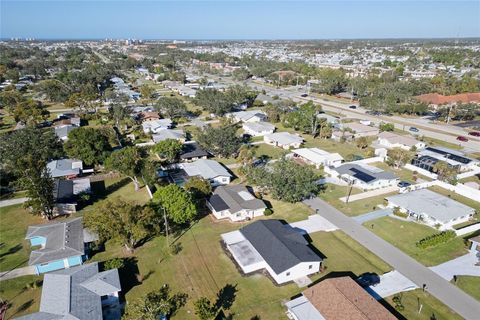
x=146, y=115
x=342, y=298
x=435, y=98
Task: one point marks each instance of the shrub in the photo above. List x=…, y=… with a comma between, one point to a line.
x=399, y=213
x=115, y=263
x=436, y=239
x=268, y=212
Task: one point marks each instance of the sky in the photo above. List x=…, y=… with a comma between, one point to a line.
x=229, y=19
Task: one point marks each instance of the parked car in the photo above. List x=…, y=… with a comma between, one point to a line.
x=353, y=106
x=462, y=138
x=474, y=133
x=304, y=95
x=403, y=184
x=413, y=129
x=368, y=279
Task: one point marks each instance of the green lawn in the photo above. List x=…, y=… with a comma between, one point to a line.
x=470, y=285
x=355, y=208
x=22, y=300
x=272, y=152
x=431, y=307
x=15, y=250
x=289, y=212
x=475, y=178
x=403, y=174
x=404, y=235
x=440, y=143
x=457, y=197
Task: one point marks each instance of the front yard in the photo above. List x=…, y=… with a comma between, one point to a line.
x=470, y=285
x=404, y=235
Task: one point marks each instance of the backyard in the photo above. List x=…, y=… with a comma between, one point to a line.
x=404, y=235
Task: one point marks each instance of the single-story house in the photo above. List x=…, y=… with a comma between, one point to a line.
x=63, y=245
x=361, y=130
x=337, y=298
x=69, y=168
x=148, y=116
x=364, y=176
x=192, y=151
x=207, y=169
x=168, y=134
x=154, y=126
x=62, y=131
x=427, y=158
x=283, y=140
x=248, y=116
x=65, y=194
x=337, y=135
x=432, y=208
x=330, y=119
x=272, y=246
x=80, y=293
x=475, y=244
x=392, y=140
x=235, y=203
x=317, y=157
x=258, y=128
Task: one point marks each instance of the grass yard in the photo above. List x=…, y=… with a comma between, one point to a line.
x=290, y=212
x=14, y=249
x=431, y=307
x=355, y=208
x=440, y=143
x=475, y=178
x=404, y=235
x=22, y=297
x=401, y=173
x=457, y=197
x=470, y=285
x=271, y=152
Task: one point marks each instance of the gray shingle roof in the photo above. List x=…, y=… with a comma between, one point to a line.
x=207, y=169
x=238, y=198
x=62, y=132
x=63, y=167
x=75, y=293
x=280, y=246
x=432, y=204
x=63, y=191
x=63, y=240
x=192, y=150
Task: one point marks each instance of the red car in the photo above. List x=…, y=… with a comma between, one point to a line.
x=460, y=138
x=474, y=133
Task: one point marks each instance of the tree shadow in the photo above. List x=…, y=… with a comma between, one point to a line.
x=129, y=274
x=226, y=297
x=12, y=250
x=221, y=316
x=25, y=306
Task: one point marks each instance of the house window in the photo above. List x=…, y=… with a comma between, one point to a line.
x=288, y=273
x=310, y=267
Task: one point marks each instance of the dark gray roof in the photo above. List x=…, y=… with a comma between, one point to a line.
x=238, y=198
x=63, y=240
x=279, y=245
x=75, y=293
x=192, y=150
x=364, y=173
x=63, y=191
x=217, y=203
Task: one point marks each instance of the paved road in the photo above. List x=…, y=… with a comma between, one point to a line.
x=453, y=297
x=11, y=202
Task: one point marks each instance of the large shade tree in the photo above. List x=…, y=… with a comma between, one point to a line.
x=179, y=205
x=91, y=145
x=127, y=161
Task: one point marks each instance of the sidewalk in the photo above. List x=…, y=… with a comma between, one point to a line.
x=11, y=202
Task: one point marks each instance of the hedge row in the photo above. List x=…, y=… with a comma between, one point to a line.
x=436, y=239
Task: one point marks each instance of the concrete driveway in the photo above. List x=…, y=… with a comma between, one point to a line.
x=15, y=273
x=373, y=215
x=391, y=283
x=461, y=266
x=314, y=223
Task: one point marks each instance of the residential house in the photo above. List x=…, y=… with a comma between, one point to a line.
x=65, y=194
x=364, y=176
x=330, y=119
x=80, y=293
x=283, y=140
x=62, y=131
x=148, y=116
x=62, y=245
x=361, y=130
x=248, y=116
x=431, y=208
x=69, y=168
x=317, y=157
x=258, y=128
x=428, y=157
x=392, y=140
x=207, y=169
x=235, y=203
x=337, y=298
x=191, y=151
x=435, y=99
x=272, y=246
x=154, y=126
x=165, y=134
x=338, y=135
